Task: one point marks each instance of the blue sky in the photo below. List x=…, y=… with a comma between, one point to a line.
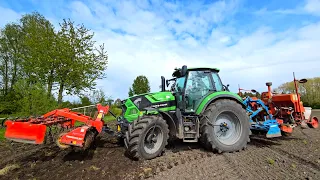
x=251, y=41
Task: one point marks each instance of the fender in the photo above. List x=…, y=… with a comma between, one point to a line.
x=170, y=121
x=215, y=96
x=166, y=116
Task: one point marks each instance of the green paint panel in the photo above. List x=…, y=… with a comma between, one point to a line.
x=212, y=96
x=132, y=112
x=160, y=97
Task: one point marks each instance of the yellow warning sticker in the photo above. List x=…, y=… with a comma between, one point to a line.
x=99, y=116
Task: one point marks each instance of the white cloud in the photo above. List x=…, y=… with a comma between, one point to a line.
x=8, y=16
x=81, y=11
x=313, y=7
x=255, y=56
x=148, y=46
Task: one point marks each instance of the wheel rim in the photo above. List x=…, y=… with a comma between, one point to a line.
x=227, y=128
x=153, y=140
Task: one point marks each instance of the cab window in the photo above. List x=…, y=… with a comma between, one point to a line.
x=197, y=87
x=217, y=82
x=179, y=84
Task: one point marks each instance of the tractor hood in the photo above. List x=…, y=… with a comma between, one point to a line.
x=135, y=105
x=154, y=100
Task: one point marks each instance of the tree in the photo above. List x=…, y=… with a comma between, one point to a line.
x=110, y=101
x=140, y=85
x=85, y=101
x=10, y=56
x=117, y=102
x=39, y=45
x=98, y=96
x=35, y=60
x=80, y=63
x=309, y=91
x=33, y=99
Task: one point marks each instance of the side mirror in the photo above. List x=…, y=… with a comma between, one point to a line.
x=303, y=81
x=183, y=70
x=167, y=82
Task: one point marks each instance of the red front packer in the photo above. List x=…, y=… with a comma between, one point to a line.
x=33, y=130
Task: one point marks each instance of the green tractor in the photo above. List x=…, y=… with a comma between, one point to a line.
x=197, y=108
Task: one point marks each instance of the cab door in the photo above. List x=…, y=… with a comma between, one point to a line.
x=198, y=85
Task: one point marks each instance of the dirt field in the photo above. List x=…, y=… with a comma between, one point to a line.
x=294, y=157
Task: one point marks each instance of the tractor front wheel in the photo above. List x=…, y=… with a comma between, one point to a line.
x=147, y=137
x=225, y=126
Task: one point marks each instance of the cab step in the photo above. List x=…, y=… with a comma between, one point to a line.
x=190, y=129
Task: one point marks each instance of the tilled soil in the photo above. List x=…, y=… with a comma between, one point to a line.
x=293, y=157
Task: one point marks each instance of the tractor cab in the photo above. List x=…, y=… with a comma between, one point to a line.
x=192, y=85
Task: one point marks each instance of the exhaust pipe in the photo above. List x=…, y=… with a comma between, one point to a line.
x=163, y=85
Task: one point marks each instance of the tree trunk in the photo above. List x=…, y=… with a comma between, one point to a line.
x=50, y=83
x=14, y=75
x=60, y=92
x=6, y=78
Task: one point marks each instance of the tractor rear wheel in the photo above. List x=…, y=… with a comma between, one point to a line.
x=225, y=126
x=147, y=137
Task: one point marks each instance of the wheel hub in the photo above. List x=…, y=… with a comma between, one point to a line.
x=224, y=127
x=153, y=140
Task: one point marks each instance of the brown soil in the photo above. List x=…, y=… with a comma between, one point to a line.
x=294, y=157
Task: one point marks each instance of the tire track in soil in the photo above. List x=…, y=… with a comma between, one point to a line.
x=105, y=161
x=295, y=157
x=307, y=147
x=254, y=163
x=198, y=165
x=299, y=167
x=196, y=161
x=257, y=162
x=20, y=153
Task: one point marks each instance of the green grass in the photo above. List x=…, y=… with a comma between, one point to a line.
x=2, y=130
x=108, y=118
x=270, y=161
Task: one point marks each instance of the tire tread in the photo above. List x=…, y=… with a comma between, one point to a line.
x=205, y=138
x=135, y=131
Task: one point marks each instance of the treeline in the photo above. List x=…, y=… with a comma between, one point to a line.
x=38, y=61
x=95, y=97
x=250, y=94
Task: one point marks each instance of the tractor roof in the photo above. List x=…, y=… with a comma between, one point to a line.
x=176, y=72
x=203, y=68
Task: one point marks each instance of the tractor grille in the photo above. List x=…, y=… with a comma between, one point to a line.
x=141, y=102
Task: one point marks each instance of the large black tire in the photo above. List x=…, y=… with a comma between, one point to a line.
x=137, y=133
x=234, y=113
